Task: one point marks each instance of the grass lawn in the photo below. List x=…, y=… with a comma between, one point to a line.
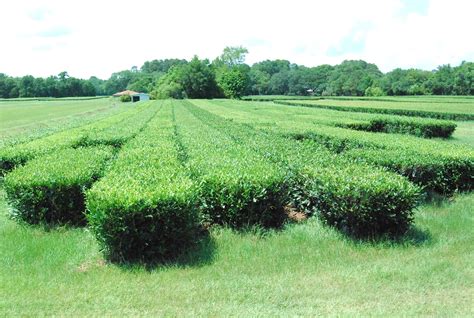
x=305, y=269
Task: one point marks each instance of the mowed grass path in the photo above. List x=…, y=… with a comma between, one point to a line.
x=305, y=269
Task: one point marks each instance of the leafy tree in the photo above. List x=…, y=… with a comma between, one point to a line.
x=442, y=81
x=198, y=79
x=374, y=91
x=27, y=86
x=169, y=86
x=353, y=78
x=405, y=82
x=234, y=82
x=118, y=81
x=231, y=56
x=464, y=79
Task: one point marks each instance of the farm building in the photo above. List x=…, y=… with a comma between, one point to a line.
x=136, y=96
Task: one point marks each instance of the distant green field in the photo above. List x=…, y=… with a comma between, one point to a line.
x=26, y=119
x=14, y=114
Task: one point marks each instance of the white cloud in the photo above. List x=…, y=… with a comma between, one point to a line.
x=99, y=37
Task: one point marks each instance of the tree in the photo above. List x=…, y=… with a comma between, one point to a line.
x=169, y=86
x=198, y=79
x=374, y=91
x=195, y=79
x=118, y=81
x=405, y=82
x=352, y=78
x=464, y=79
x=234, y=82
x=442, y=81
x=26, y=86
x=231, y=56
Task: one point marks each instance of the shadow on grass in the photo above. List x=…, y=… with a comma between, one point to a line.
x=415, y=237
x=199, y=255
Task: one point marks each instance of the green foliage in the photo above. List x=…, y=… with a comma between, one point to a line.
x=118, y=134
x=169, y=86
x=233, y=82
x=22, y=152
x=145, y=208
x=433, y=168
x=374, y=91
x=195, y=79
x=358, y=200
x=125, y=98
x=352, y=78
x=418, y=127
x=237, y=186
x=50, y=189
x=405, y=82
x=231, y=56
x=383, y=110
x=381, y=203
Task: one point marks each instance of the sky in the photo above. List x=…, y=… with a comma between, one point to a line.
x=86, y=38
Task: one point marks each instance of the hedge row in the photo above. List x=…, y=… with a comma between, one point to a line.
x=237, y=186
x=118, y=134
x=50, y=189
x=356, y=198
x=421, y=127
x=145, y=208
x=21, y=153
x=435, y=166
x=417, y=127
x=401, y=112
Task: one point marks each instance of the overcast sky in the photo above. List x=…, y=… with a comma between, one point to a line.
x=85, y=38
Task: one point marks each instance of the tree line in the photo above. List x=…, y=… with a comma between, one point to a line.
x=229, y=76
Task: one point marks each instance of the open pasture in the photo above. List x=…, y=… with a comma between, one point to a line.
x=188, y=208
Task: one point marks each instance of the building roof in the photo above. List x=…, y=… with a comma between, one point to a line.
x=127, y=92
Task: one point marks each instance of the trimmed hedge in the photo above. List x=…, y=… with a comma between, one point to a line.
x=356, y=198
x=269, y=112
x=237, y=186
x=436, y=167
x=434, y=173
x=390, y=111
x=118, y=134
x=50, y=189
x=21, y=153
x=410, y=152
x=417, y=127
x=359, y=200
x=145, y=209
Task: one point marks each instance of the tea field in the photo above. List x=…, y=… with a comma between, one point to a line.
x=237, y=208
